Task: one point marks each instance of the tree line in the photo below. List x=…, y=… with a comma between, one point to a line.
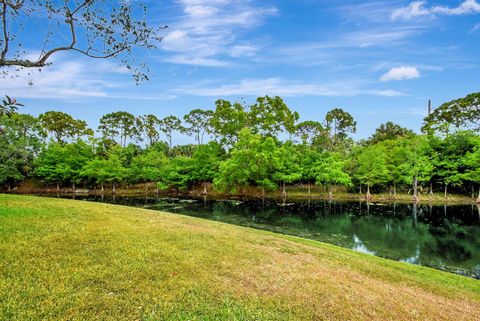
x=241, y=145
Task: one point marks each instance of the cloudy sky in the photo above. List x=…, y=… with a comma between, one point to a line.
x=379, y=60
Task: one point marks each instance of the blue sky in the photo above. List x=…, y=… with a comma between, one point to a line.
x=379, y=60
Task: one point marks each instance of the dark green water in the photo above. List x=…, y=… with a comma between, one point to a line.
x=442, y=237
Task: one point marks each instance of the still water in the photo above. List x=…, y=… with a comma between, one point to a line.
x=442, y=237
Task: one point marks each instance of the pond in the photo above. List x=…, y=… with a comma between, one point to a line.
x=443, y=237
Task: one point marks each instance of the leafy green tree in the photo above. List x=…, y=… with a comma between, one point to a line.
x=459, y=113
x=120, y=125
x=287, y=169
x=339, y=123
x=388, y=131
x=252, y=161
x=21, y=141
x=309, y=130
x=148, y=166
x=308, y=160
x=182, y=150
x=471, y=161
x=169, y=125
x=177, y=174
x=330, y=170
x=206, y=162
x=417, y=165
x=61, y=126
x=198, y=121
x=449, y=168
x=102, y=171
x=372, y=167
x=51, y=165
x=270, y=116
x=151, y=127
x=62, y=163
x=228, y=120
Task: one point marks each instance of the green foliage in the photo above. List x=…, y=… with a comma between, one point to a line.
x=471, y=162
x=177, y=174
x=101, y=171
x=151, y=127
x=228, y=120
x=309, y=131
x=270, y=115
x=120, y=126
x=253, y=154
x=330, y=170
x=9, y=106
x=388, y=131
x=20, y=142
x=148, y=166
x=169, y=125
x=198, y=121
x=339, y=123
x=63, y=163
x=61, y=126
x=287, y=164
x=253, y=160
x=372, y=166
x=206, y=162
x=459, y=113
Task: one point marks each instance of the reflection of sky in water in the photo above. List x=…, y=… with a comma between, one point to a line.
x=414, y=259
x=360, y=247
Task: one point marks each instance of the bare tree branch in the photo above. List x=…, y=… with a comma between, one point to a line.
x=114, y=27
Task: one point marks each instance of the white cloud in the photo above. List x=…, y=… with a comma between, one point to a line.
x=197, y=61
x=418, y=9
x=400, y=73
x=211, y=29
x=281, y=87
x=72, y=80
x=475, y=28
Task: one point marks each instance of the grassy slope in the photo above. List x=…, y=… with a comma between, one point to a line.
x=62, y=259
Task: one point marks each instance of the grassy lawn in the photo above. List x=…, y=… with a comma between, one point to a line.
x=73, y=260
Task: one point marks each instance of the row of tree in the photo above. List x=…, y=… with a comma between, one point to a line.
x=245, y=150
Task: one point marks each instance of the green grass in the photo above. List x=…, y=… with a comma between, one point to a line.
x=73, y=260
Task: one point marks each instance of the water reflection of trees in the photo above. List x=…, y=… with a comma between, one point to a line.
x=420, y=234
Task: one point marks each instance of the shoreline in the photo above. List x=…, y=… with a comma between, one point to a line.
x=453, y=199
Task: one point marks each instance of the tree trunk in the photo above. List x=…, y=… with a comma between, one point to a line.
x=478, y=199
x=263, y=192
x=369, y=196
x=330, y=194
x=205, y=192
x=58, y=186
x=446, y=191
x=360, y=189
x=102, y=188
x=309, y=188
x=146, y=187
x=9, y=187
x=431, y=188
x=415, y=189
x=73, y=187
x=114, y=188
x=394, y=191
x=284, y=192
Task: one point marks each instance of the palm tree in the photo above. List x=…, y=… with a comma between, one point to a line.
x=8, y=107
